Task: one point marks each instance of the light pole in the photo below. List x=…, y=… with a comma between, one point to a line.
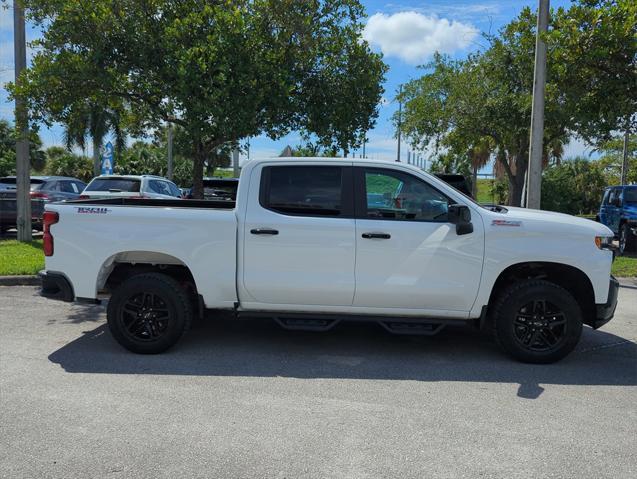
x=23, y=182
x=625, y=158
x=534, y=179
x=169, y=173
x=400, y=119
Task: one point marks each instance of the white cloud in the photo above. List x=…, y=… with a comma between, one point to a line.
x=414, y=37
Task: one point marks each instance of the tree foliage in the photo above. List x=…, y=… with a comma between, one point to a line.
x=221, y=70
x=612, y=159
x=7, y=150
x=61, y=162
x=143, y=158
x=457, y=103
x=574, y=187
x=595, y=44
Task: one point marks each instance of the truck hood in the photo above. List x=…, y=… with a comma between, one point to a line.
x=558, y=221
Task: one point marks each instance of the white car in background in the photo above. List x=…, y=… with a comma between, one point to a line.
x=129, y=186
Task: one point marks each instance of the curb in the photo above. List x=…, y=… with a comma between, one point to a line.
x=19, y=280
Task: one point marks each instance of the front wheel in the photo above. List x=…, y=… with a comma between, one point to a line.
x=626, y=239
x=148, y=313
x=537, y=321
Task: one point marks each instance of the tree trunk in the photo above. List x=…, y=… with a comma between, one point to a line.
x=97, y=167
x=516, y=185
x=197, y=172
x=474, y=182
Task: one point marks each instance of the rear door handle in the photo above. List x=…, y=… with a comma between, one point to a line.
x=264, y=231
x=376, y=235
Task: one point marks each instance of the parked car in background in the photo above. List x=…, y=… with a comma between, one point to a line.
x=218, y=189
x=618, y=211
x=44, y=189
x=129, y=186
x=459, y=182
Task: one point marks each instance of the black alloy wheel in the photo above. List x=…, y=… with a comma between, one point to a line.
x=145, y=317
x=540, y=326
x=536, y=321
x=148, y=313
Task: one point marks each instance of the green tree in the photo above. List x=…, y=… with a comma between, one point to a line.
x=61, y=162
x=489, y=94
x=595, y=48
x=86, y=120
x=574, y=187
x=7, y=150
x=222, y=71
x=612, y=158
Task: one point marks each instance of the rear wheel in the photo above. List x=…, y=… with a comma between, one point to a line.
x=148, y=313
x=537, y=321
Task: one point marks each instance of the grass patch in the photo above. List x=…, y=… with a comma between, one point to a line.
x=20, y=258
x=625, y=266
x=484, y=191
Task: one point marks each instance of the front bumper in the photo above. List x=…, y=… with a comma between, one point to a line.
x=606, y=311
x=56, y=286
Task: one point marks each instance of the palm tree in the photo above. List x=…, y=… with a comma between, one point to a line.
x=479, y=155
x=94, y=121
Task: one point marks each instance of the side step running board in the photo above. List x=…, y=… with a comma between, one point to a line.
x=412, y=327
x=302, y=324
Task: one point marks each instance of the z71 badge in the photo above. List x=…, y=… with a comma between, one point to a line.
x=92, y=210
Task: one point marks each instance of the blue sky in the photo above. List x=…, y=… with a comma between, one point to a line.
x=407, y=32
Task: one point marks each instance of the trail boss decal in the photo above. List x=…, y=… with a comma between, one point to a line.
x=92, y=210
x=506, y=223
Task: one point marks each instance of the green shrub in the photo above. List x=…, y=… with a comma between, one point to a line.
x=574, y=187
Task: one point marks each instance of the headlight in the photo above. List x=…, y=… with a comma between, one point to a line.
x=604, y=242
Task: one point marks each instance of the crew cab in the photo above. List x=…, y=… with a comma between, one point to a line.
x=310, y=242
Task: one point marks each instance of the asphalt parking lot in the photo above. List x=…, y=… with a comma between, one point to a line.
x=246, y=399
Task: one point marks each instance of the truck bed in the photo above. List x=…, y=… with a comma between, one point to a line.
x=93, y=236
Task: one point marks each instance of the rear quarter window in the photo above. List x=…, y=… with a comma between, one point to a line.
x=119, y=184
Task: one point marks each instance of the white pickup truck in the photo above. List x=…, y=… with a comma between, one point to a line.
x=312, y=241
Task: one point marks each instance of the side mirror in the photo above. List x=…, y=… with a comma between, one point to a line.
x=460, y=215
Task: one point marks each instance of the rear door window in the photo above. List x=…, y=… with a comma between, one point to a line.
x=307, y=190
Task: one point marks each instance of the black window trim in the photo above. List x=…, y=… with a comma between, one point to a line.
x=347, y=190
x=360, y=194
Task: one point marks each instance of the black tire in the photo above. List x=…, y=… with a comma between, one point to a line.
x=536, y=321
x=626, y=239
x=148, y=313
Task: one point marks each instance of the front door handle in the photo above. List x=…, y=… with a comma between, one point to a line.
x=376, y=235
x=264, y=231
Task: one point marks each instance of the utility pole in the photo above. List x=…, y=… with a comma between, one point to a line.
x=23, y=182
x=400, y=119
x=625, y=158
x=235, y=162
x=534, y=181
x=169, y=173
x=364, y=141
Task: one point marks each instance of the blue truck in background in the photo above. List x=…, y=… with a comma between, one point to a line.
x=618, y=211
